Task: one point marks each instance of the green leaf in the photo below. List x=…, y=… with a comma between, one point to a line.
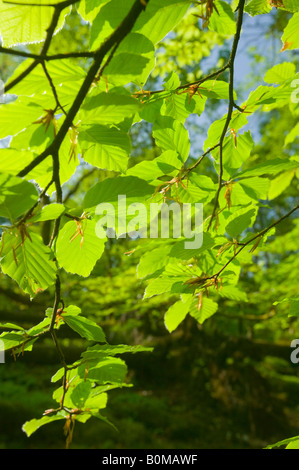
x=263, y=95
x=70, y=310
x=240, y=220
x=283, y=442
x=290, y=37
x=291, y=5
x=13, y=160
x=215, y=89
x=26, y=24
x=294, y=307
x=15, y=116
x=88, y=9
x=222, y=20
x=102, y=350
x=133, y=61
x=176, y=314
x=198, y=189
x=108, y=18
x=280, y=73
x=109, y=190
x=271, y=167
x=280, y=184
x=151, y=109
x=257, y=7
x=232, y=292
x=179, y=106
x=104, y=147
x=235, y=152
x=161, y=285
x=126, y=65
x=249, y=189
x=178, y=250
x=83, y=396
x=48, y=212
x=18, y=345
x=292, y=135
x=107, y=370
x=84, y=327
x=78, y=247
x=76, y=394
x=159, y=18
x=42, y=326
x=16, y=196
x=11, y=326
x=207, y=309
x=153, y=260
x=167, y=163
x=154, y=23
x=80, y=394
x=11, y=339
x=172, y=280
x=97, y=401
x=115, y=203
x=34, y=424
x=28, y=261
x=171, y=134
x=37, y=139
x=172, y=81
x=107, y=108
x=216, y=129
x=293, y=445
x=62, y=72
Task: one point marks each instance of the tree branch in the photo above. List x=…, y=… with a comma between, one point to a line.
x=56, y=180
x=113, y=40
x=201, y=281
x=58, y=8
x=231, y=104
x=58, y=105
x=190, y=84
x=195, y=165
x=44, y=57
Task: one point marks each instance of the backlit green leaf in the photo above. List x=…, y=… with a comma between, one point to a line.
x=222, y=19
x=26, y=24
x=290, y=37
x=104, y=147
x=34, y=424
x=84, y=327
x=28, y=261
x=78, y=247
x=176, y=314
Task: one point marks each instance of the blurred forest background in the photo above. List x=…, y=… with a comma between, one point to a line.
x=227, y=384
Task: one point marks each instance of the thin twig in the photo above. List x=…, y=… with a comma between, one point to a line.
x=259, y=235
x=214, y=277
x=58, y=105
x=195, y=165
x=57, y=301
x=77, y=185
x=190, y=84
